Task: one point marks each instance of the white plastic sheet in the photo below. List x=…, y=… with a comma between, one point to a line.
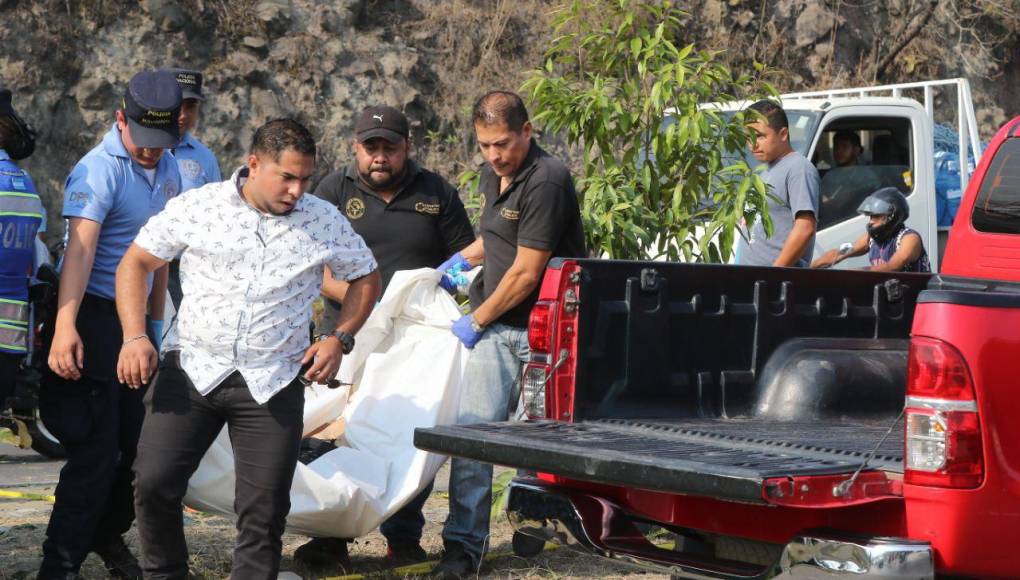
x=407, y=368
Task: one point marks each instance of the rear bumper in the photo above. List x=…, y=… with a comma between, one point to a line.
x=598, y=526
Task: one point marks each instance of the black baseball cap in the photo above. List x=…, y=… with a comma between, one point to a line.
x=190, y=81
x=152, y=103
x=382, y=121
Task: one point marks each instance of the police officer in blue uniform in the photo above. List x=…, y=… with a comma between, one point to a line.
x=21, y=215
x=197, y=164
x=108, y=197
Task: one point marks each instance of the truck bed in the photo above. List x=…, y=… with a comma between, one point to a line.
x=724, y=458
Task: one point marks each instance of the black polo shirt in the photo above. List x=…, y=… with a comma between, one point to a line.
x=538, y=210
x=423, y=225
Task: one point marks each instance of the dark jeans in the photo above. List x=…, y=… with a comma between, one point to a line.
x=97, y=421
x=180, y=425
x=404, y=527
x=9, y=366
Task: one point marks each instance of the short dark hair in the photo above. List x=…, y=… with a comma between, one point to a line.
x=279, y=135
x=773, y=112
x=497, y=107
x=8, y=131
x=850, y=136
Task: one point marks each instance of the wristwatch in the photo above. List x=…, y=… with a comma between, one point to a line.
x=346, y=340
x=475, y=326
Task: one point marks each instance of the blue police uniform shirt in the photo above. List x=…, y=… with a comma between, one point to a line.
x=108, y=187
x=21, y=213
x=196, y=163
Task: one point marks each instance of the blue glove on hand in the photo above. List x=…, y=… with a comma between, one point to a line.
x=451, y=270
x=464, y=329
x=154, y=328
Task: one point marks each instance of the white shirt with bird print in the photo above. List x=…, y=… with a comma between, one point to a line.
x=249, y=280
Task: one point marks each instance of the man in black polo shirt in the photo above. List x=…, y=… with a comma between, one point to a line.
x=530, y=215
x=410, y=218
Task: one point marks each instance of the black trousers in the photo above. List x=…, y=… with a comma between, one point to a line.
x=180, y=425
x=97, y=420
x=9, y=366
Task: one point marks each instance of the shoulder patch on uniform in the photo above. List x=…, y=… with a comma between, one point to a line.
x=190, y=168
x=510, y=214
x=79, y=198
x=355, y=208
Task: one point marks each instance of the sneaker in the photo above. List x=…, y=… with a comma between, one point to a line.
x=455, y=565
x=119, y=560
x=404, y=554
x=324, y=553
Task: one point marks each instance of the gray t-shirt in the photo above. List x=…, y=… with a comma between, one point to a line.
x=795, y=182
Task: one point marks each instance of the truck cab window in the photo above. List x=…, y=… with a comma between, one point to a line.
x=997, y=208
x=857, y=156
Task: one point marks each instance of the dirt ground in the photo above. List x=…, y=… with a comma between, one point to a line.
x=210, y=538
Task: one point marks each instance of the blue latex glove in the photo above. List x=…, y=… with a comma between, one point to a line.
x=451, y=269
x=465, y=331
x=154, y=328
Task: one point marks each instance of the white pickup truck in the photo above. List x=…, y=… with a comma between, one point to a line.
x=896, y=133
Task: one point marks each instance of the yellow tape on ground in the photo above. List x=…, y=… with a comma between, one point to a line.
x=26, y=495
x=423, y=567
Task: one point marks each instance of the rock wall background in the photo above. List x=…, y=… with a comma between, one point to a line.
x=68, y=61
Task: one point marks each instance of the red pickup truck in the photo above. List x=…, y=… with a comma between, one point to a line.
x=778, y=423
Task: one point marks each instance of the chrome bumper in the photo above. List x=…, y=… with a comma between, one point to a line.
x=598, y=526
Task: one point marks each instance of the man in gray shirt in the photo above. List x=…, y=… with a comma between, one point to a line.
x=793, y=188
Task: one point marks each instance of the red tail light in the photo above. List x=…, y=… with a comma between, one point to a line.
x=943, y=433
x=538, y=371
x=541, y=325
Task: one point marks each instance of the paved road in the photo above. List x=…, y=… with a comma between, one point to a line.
x=24, y=468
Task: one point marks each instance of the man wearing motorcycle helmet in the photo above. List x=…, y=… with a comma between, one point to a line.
x=891, y=246
x=21, y=214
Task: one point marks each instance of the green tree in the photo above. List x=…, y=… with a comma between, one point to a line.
x=661, y=176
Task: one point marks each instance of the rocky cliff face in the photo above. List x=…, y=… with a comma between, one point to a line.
x=68, y=61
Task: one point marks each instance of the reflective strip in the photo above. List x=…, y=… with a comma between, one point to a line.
x=945, y=405
x=14, y=310
x=13, y=337
x=20, y=205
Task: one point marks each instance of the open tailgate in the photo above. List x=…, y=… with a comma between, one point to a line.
x=724, y=458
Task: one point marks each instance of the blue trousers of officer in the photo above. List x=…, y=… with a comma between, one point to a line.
x=98, y=421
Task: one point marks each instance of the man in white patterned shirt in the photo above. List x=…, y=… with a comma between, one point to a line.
x=252, y=253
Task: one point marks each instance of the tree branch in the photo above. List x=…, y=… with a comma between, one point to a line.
x=915, y=28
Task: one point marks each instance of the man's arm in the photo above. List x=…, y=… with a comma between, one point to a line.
x=67, y=353
x=138, y=356
x=474, y=253
x=519, y=281
x=362, y=294
x=833, y=257
x=798, y=240
x=333, y=288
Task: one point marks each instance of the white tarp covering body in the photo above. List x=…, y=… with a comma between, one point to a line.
x=406, y=368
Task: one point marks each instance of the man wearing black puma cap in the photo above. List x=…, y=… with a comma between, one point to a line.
x=108, y=197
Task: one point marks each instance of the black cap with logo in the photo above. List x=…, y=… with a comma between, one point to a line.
x=385, y=122
x=152, y=103
x=190, y=81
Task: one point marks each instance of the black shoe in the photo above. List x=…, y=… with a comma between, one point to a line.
x=324, y=553
x=119, y=560
x=455, y=565
x=404, y=554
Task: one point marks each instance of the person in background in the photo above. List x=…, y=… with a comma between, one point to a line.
x=891, y=246
x=21, y=218
x=108, y=197
x=410, y=218
x=196, y=162
x=793, y=187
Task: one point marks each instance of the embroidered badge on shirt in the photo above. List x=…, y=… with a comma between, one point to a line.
x=190, y=168
x=429, y=208
x=510, y=214
x=18, y=184
x=79, y=199
x=355, y=208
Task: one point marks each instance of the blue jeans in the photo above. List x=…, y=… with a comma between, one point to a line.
x=404, y=527
x=491, y=389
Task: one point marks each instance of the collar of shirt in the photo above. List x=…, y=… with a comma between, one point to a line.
x=527, y=167
x=412, y=171
x=4, y=156
x=187, y=141
x=113, y=145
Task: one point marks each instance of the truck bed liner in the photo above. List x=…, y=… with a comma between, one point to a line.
x=723, y=458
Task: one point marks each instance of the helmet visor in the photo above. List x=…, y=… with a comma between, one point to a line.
x=873, y=206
